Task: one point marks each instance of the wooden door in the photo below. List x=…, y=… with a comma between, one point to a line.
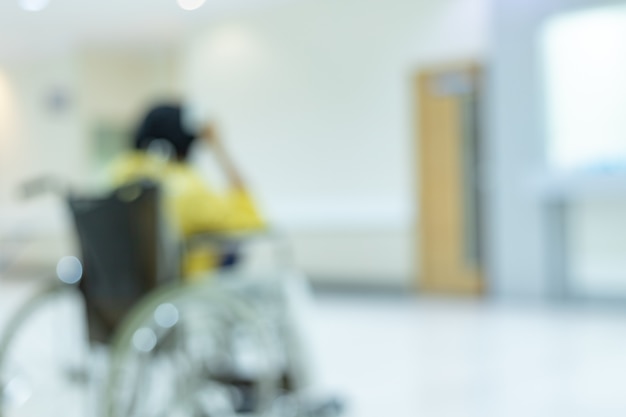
x=449, y=160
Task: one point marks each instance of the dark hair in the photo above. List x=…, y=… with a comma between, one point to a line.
x=164, y=122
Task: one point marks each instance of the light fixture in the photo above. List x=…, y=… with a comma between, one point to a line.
x=33, y=5
x=188, y=4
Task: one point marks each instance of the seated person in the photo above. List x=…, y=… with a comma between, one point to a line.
x=161, y=147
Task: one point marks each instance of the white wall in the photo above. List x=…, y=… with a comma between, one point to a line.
x=585, y=84
x=111, y=84
x=42, y=140
x=518, y=155
x=120, y=83
x=314, y=98
x=39, y=141
x=9, y=128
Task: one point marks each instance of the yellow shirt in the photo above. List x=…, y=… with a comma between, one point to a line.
x=192, y=205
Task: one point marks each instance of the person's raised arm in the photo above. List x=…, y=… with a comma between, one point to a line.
x=243, y=214
x=211, y=136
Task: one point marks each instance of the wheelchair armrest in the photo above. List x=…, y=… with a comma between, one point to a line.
x=236, y=237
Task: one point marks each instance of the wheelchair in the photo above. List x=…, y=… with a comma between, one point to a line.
x=118, y=336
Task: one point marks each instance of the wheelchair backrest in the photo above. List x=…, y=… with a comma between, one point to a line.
x=125, y=252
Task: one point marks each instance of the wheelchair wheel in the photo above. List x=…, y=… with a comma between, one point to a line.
x=192, y=351
x=43, y=356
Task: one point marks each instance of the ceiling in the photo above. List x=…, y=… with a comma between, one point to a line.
x=67, y=23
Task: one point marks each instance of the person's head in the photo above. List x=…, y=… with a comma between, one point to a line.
x=164, y=123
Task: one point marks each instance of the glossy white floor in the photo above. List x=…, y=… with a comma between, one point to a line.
x=436, y=358
x=405, y=357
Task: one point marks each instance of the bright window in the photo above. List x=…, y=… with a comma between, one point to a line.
x=584, y=55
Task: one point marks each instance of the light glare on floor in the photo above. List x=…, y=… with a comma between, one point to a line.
x=33, y=5
x=190, y=4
